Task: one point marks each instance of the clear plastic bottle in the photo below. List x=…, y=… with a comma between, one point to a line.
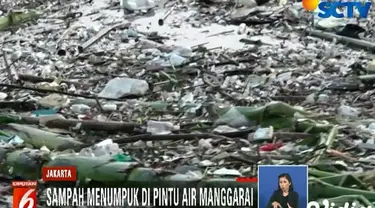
x=160, y=127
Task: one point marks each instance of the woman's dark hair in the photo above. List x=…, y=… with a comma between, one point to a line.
x=287, y=176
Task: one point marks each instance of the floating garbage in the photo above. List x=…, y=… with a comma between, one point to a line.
x=263, y=134
x=104, y=148
x=137, y=4
x=120, y=87
x=160, y=127
x=44, y=112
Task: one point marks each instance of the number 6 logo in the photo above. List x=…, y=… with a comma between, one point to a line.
x=27, y=199
x=24, y=198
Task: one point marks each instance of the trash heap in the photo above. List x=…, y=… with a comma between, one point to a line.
x=205, y=91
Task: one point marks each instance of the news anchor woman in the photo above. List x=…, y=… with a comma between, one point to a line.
x=284, y=196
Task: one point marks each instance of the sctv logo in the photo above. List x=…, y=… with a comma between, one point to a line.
x=328, y=9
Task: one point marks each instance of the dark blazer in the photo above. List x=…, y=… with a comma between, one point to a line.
x=277, y=196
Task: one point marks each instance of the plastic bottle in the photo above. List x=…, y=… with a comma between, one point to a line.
x=160, y=127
